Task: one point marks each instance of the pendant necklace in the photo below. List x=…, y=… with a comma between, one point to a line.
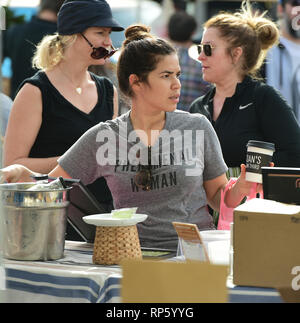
x=78, y=89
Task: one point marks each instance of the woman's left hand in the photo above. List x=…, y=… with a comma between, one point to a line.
x=245, y=187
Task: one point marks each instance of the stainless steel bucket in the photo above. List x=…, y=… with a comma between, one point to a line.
x=34, y=222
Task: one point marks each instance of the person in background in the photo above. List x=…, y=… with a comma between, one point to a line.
x=181, y=28
x=56, y=106
x=19, y=41
x=240, y=107
x=282, y=68
x=109, y=70
x=5, y=107
x=159, y=26
x=142, y=168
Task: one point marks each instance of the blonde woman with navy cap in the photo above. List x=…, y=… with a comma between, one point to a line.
x=63, y=100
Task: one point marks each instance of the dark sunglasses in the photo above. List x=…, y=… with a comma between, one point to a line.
x=143, y=178
x=100, y=52
x=206, y=48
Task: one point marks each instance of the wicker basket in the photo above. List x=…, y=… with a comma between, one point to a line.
x=112, y=244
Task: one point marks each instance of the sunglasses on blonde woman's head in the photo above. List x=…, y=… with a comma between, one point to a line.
x=206, y=48
x=99, y=52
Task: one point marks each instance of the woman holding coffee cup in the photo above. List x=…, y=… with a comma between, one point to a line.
x=176, y=179
x=240, y=107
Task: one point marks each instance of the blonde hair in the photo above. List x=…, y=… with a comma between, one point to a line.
x=50, y=51
x=251, y=31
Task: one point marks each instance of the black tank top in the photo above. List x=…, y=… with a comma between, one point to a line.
x=63, y=124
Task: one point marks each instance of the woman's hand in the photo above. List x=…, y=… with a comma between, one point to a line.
x=16, y=173
x=242, y=188
x=245, y=187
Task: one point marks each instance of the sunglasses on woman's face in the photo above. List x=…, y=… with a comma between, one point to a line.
x=206, y=48
x=99, y=52
x=143, y=178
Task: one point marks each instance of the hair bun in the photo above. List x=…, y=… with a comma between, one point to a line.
x=136, y=32
x=266, y=30
x=268, y=34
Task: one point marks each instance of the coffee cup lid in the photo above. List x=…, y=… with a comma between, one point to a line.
x=261, y=144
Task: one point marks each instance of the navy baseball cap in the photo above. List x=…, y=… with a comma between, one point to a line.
x=75, y=16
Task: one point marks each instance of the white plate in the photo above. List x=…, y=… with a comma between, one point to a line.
x=106, y=220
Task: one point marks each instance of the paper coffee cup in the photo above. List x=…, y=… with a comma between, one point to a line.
x=259, y=154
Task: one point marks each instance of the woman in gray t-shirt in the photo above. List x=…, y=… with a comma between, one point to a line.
x=168, y=163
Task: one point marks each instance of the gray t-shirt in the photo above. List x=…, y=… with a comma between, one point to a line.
x=186, y=153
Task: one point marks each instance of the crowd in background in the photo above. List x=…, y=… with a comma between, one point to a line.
x=175, y=15
x=179, y=24
x=212, y=94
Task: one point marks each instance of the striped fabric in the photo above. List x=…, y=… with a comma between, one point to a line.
x=73, y=278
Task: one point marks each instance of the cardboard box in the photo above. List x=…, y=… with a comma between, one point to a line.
x=266, y=243
x=173, y=282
